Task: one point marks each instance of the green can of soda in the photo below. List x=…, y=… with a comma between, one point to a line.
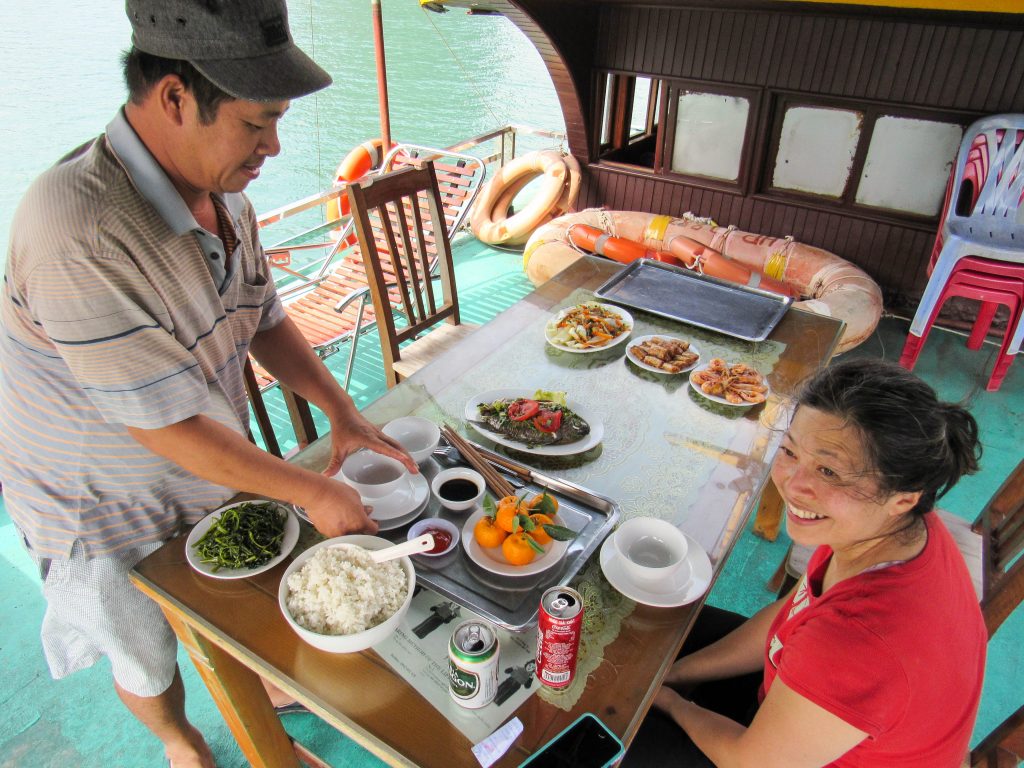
x=473, y=664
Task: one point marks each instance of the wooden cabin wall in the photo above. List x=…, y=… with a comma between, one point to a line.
x=964, y=64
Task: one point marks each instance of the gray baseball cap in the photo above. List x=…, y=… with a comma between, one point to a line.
x=243, y=46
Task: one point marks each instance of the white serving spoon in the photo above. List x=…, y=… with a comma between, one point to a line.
x=412, y=547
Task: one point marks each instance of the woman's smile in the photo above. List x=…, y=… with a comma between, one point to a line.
x=803, y=516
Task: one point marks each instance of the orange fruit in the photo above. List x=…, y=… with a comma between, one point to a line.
x=487, y=533
x=517, y=550
x=550, y=506
x=508, y=508
x=538, y=533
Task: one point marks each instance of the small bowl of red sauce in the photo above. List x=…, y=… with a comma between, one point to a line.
x=446, y=537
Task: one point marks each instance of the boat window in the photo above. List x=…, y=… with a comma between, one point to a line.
x=710, y=133
x=816, y=149
x=640, y=121
x=908, y=164
x=606, y=115
x=629, y=119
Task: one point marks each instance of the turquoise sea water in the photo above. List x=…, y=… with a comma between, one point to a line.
x=450, y=76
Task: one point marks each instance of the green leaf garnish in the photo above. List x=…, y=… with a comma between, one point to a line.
x=537, y=547
x=558, y=398
x=560, y=532
x=546, y=505
x=489, y=508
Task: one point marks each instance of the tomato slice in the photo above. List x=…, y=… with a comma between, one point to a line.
x=523, y=409
x=548, y=421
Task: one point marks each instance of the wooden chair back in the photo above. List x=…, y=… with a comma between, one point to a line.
x=399, y=218
x=299, y=412
x=1001, y=526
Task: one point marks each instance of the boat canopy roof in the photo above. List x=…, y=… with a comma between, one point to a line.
x=964, y=6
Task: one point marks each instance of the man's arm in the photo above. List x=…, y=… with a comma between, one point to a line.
x=286, y=354
x=209, y=450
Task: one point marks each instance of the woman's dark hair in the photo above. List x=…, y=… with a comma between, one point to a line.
x=144, y=70
x=914, y=442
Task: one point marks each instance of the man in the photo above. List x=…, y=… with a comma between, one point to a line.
x=136, y=286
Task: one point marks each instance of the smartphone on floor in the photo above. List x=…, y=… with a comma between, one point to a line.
x=586, y=743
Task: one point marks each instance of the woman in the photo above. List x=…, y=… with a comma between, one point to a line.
x=876, y=657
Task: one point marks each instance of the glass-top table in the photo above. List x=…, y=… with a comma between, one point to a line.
x=666, y=452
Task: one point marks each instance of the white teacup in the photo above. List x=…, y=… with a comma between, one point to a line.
x=417, y=435
x=652, y=552
x=375, y=476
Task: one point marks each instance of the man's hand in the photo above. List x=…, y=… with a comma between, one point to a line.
x=354, y=432
x=337, y=510
x=286, y=354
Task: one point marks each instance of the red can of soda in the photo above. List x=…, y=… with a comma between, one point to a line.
x=558, y=636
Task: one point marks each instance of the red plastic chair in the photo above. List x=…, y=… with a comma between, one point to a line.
x=981, y=221
x=992, y=283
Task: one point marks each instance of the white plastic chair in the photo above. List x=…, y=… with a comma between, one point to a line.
x=993, y=228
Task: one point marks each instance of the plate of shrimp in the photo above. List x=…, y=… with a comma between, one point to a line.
x=738, y=385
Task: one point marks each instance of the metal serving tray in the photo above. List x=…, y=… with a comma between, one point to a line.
x=512, y=601
x=707, y=302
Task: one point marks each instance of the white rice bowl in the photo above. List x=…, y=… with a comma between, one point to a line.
x=337, y=599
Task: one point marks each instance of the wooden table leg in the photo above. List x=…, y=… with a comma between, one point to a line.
x=768, y=519
x=241, y=698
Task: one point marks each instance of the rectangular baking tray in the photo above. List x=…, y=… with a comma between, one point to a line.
x=513, y=602
x=689, y=297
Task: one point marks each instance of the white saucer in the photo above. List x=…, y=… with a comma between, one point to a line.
x=402, y=520
x=688, y=586
x=401, y=502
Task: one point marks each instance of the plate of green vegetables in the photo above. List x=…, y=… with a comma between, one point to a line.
x=243, y=539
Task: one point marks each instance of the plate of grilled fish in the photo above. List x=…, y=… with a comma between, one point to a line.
x=534, y=423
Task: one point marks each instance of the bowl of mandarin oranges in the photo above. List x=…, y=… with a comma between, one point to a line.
x=517, y=535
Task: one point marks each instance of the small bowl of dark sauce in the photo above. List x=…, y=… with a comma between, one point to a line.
x=459, y=488
x=446, y=537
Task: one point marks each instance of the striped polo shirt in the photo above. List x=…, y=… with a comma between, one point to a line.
x=119, y=310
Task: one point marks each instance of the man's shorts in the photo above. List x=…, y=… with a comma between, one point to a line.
x=93, y=610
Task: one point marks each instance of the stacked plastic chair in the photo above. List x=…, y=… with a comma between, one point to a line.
x=980, y=246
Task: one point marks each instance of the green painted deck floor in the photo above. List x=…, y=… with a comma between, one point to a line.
x=80, y=722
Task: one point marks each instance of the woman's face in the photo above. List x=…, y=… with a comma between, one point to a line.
x=831, y=493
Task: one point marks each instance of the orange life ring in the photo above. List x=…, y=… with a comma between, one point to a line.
x=353, y=166
x=490, y=220
x=616, y=248
x=823, y=282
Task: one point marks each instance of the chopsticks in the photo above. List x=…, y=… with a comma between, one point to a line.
x=494, y=481
x=507, y=464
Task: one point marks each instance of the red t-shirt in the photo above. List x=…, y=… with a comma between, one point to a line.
x=898, y=652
